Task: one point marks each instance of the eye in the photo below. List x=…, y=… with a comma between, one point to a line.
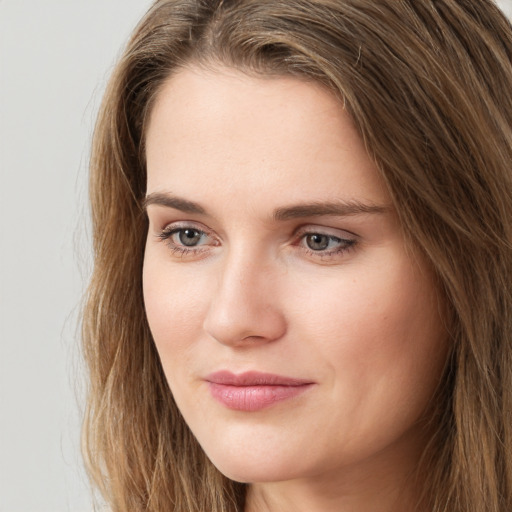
x=325, y=245
x=186, y=240
x=319, y=242
x=188, y=237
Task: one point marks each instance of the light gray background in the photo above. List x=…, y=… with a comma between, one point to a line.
x=55, y=57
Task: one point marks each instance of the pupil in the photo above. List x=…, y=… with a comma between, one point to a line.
x=318, y=242
x=189, y=237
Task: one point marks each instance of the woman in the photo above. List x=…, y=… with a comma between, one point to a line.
x=302, y=227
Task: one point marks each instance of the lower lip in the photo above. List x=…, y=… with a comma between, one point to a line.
x=254, y=398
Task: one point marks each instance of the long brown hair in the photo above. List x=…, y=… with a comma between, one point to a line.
x=429, y=86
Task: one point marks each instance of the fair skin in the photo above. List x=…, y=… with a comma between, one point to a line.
x=273, y=247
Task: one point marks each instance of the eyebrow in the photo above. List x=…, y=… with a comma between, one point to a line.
x=335, y=208
x=170, y=201
x=338, y=208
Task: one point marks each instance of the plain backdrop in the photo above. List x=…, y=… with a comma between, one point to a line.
x=55, y=58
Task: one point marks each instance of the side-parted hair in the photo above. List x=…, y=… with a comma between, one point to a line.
x=428, y=84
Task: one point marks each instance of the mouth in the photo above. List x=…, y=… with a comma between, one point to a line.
x=253, y=391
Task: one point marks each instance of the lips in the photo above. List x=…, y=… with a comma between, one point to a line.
x=253, y=391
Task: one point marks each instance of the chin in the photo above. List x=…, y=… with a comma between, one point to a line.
x=252, y=473
x=257, y=468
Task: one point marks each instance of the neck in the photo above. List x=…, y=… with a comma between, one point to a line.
x=382, y=484
x=308, y=498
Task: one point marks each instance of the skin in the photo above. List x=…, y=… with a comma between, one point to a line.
x=359, y=319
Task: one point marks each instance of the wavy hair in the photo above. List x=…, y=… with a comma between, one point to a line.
x=429, y=87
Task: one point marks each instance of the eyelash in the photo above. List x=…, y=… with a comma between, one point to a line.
x=166, y=236
x=346, y=244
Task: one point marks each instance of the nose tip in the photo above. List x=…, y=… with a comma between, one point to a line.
x=238, y=327
x=245, y=310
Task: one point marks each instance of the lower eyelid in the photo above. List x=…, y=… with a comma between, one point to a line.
x=170, y=232
x=167, y=234
x=345, y=246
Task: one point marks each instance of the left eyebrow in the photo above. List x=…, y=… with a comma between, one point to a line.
x=336, y=208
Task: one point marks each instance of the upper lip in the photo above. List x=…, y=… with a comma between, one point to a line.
x=253, y=378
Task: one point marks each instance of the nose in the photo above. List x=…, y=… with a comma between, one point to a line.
x=244, y=309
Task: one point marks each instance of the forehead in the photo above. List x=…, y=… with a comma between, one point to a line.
x=234, y=133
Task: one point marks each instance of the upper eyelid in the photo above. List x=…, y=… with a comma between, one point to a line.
x=166, y=234
x=299, y=231
x=325, y=230
x=176, y=225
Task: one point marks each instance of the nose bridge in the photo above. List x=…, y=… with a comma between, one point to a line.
x=245, y=305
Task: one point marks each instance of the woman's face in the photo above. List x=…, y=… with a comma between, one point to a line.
x=299, y=336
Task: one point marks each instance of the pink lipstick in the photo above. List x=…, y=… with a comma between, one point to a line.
x=252, y=391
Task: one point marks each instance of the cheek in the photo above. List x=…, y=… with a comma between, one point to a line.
x=380, y=332
x=175, y=302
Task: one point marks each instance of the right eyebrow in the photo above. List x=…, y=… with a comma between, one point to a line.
x=170, y=201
